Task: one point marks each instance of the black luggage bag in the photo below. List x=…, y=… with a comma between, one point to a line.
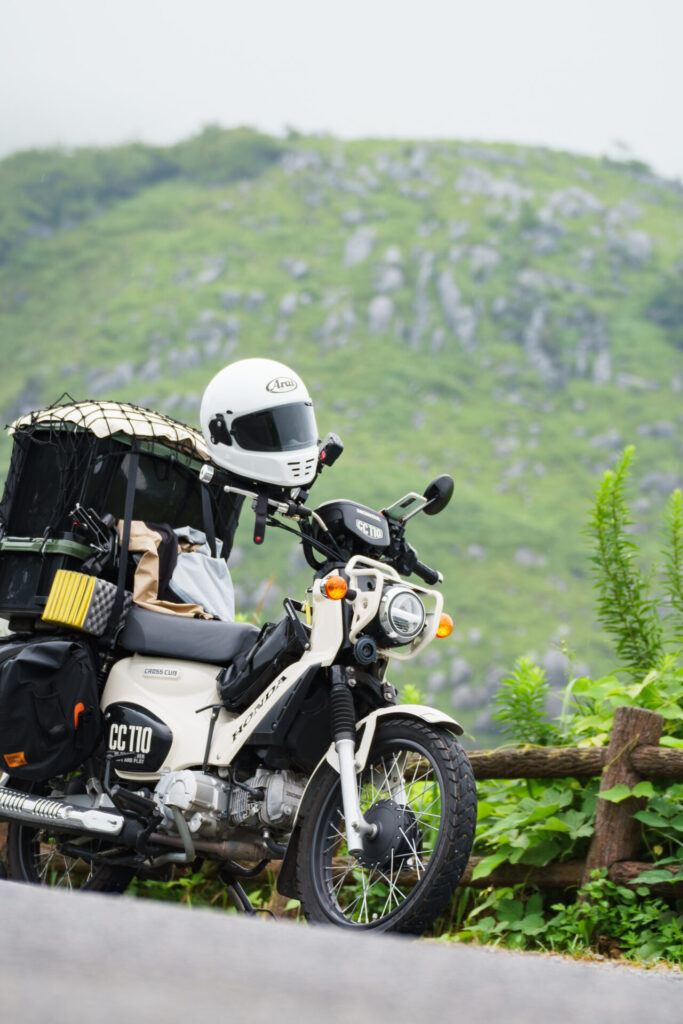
x=277, y=646
x=50, y=719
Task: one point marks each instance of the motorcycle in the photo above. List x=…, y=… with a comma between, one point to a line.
x=241, y=746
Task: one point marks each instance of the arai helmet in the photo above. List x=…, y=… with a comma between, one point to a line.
x=258, y=422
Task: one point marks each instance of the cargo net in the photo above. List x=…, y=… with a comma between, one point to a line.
x=107, y=419
x=61, y=456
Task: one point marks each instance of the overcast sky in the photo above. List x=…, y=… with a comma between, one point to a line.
x=571, y=74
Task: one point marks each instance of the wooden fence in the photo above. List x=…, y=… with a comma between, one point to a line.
x=633, y=754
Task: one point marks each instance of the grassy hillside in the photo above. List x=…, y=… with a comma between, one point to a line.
x=507, y=315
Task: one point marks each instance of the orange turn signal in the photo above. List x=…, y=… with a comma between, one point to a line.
x=445, y=627
x=336, y=587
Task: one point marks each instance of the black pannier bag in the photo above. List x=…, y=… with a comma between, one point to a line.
x=50, y=719
x=277, y=646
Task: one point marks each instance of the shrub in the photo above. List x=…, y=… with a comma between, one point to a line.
x=521, y=702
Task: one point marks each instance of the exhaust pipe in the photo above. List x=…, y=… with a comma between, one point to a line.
x=226, y=849
x=57, y=814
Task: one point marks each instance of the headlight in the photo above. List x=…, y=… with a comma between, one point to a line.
x=401, y=614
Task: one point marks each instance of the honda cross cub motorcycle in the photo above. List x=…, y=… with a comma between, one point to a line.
x=241, y=746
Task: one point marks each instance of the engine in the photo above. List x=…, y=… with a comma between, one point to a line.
x=282, y=792
x=212, y=806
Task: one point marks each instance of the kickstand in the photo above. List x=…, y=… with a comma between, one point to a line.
x=241, y=901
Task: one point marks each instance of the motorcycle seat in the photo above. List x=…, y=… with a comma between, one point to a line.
x=170, y=636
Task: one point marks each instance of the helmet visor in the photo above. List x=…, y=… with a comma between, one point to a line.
x=284, y=428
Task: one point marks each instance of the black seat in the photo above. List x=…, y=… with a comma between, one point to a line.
x=170, y=636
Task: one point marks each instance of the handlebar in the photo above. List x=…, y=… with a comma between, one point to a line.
x=400, y=554
x=430, y=576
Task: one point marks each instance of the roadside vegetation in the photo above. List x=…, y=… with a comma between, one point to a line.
x=538, y=821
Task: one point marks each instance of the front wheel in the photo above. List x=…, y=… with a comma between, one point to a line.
x=418, y=790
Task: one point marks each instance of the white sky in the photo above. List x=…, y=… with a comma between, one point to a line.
x=571, y=74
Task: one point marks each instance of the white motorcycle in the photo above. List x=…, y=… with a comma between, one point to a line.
x=133, y=740
x=242, y=746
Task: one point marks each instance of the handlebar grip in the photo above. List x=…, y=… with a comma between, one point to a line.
x=430, y=576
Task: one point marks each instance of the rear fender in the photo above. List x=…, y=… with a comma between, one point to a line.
x=286, y=882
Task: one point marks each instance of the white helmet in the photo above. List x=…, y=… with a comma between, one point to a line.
x=258, y=422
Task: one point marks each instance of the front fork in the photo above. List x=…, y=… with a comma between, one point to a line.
x=344, y=735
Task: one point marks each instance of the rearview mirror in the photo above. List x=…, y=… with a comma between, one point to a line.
x=330, y=450
x=438, y=493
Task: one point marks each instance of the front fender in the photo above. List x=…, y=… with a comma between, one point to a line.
x=430, y=715
x=286, y=883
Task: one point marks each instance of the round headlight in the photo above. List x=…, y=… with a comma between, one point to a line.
x=401, y=614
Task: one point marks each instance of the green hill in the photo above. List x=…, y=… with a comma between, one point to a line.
x=508, y=315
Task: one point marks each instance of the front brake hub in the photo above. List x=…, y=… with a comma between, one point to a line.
x=397, y=833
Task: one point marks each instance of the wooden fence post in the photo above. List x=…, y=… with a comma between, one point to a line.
x=617, y=833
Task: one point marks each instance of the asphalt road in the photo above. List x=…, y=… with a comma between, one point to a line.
x=76, y=957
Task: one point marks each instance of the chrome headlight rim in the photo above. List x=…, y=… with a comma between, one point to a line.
x=389, y=614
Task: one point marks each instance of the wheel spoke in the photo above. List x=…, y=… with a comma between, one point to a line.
x=45, y=862
x=335, y=839
x=436, y=800
x=343, y=878
x=419, y=863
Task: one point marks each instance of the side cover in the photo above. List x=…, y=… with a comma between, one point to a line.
x=157, y=713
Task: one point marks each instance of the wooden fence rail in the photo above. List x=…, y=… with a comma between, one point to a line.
x=576, y=762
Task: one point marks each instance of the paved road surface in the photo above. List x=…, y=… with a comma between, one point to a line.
x=106, y=960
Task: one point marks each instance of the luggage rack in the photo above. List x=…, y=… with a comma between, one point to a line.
x=113, y=457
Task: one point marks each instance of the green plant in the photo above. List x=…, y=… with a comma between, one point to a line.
x=626, y=609
x=511, y=921
x=193, y=887
x=619, y=921
x=201, y=887
x=521, y=703
x=219, y=155
x=593, y=702
x=673, y=562
x=411, y=694
x=533, y=822
x=606, y=919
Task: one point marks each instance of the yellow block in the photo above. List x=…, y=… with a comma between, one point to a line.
x=69, y=598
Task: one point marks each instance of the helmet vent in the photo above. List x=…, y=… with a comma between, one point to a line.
x=301, y=467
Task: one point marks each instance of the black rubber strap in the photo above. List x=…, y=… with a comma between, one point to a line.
x=261, y=510
x=207, y=515
x=125, y=541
